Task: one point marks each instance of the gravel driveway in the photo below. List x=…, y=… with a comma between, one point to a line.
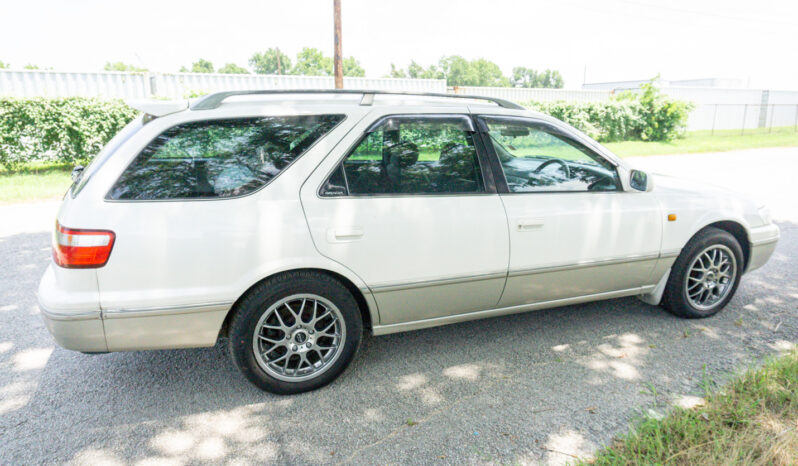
x=538, y=387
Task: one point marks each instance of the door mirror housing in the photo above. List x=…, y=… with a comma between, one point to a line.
x=640, y=181
x=77, y=172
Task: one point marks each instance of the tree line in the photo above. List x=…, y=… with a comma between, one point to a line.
x=458, y=71
x=310, y=61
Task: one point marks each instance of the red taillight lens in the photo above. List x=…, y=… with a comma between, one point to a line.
x=81, y=249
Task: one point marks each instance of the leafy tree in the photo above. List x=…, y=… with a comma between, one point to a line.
x=4, y=66
x=487, y=73
x=414, y=70
x=396, y=72
x=352, y=67
x=457, y=71
x=551, y=79
x=527, y=77
x=31, y=67
x=119, y=66
x=524, y=77
x=266, y=62
x=232, y=68
x=199, y=66
x=312, y=62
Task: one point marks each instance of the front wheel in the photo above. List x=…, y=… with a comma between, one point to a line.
x=705, y=275
x=295, y=332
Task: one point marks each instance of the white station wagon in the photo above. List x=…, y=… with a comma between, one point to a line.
x=292, y=221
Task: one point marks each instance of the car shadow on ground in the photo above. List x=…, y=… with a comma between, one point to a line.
x=541, y=386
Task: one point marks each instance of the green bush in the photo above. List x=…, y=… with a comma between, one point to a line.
x=65, y=130
x=648, y=116
x=73, y=129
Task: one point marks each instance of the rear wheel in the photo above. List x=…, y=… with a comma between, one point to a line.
x=295, y=332
x=705, y=275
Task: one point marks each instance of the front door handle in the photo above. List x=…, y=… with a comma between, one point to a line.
x=530, y=224
x=344, y=235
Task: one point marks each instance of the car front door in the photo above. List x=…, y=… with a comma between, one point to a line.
x=406, y=203
x=574, y=231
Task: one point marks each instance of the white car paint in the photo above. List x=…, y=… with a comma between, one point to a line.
x=178, y=267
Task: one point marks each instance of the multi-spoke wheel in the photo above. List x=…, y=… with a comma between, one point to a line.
x=299, y=337
x=705, y=275
x=295, y=332
x=710, y=276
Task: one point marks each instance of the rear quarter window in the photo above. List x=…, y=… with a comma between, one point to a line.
x=219, y=158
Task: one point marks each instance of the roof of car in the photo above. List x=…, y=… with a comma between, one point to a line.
x=311, y=98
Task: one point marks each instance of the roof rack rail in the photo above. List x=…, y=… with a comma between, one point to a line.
x=211, y=101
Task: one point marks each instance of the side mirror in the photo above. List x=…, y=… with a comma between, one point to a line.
x=639, y=181
x=76, y=173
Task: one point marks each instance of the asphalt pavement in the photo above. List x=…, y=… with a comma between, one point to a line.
x=541, y=387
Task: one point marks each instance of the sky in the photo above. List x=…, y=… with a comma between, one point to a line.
x=592, y=40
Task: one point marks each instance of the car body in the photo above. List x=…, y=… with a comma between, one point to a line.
x=340, y=187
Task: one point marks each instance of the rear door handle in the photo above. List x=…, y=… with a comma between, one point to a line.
x=530, y=224
x=344, y=235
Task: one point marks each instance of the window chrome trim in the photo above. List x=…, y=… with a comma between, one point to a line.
x=469, y=125
x=106, y=198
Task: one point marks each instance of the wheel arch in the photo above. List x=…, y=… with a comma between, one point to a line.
x=366, y=306
x=739, y=232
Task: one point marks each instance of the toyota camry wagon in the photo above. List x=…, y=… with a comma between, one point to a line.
x=291, y=222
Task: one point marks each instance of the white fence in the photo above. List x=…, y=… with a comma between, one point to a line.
x=31, y=83
x=517, y=94
x=715, y=108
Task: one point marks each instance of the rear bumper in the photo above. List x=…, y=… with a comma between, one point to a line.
x=763, y=242
x=70, y=306
x=168, y=328
x=76, y=331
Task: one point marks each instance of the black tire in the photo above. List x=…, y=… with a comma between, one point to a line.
x=258, y=300
x=675, y=298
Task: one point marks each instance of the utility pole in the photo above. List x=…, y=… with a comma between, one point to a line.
x=279, y=69
x=338, y=68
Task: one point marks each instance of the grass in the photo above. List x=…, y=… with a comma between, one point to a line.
x=35, y=182
x=705, y=141
x=753, y=420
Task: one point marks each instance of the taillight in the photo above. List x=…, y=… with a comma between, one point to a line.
x=81, y=249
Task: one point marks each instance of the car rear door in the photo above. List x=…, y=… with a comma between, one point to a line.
x=406, y=203
x=572, y=234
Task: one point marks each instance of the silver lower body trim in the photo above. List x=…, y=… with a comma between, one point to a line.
x=165, y=311
x=437, y=282
x=583, y=265
x=426, y=323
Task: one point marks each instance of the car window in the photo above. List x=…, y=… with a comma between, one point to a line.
x=411, y=155
x=219, y=158
x=537, y=157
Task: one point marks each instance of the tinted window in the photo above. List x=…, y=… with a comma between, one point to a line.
x=537, y=157
x=418, y=155
x=219, y=158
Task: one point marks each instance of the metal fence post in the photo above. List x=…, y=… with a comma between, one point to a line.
x=712, y=133
x=745, y=111
x=772, y=111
